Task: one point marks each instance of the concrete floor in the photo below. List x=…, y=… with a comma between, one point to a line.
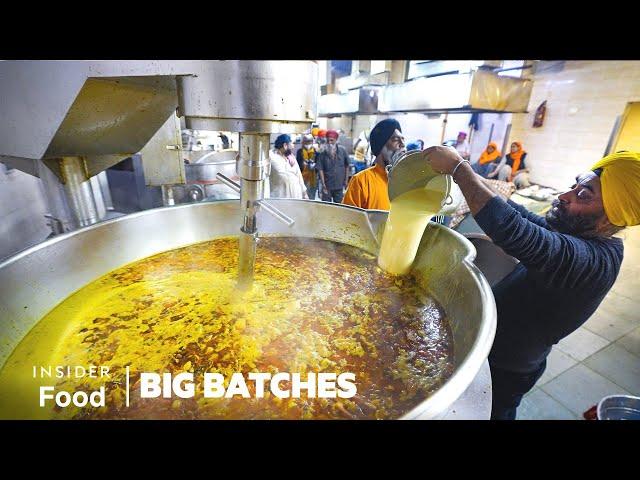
x=601, y=358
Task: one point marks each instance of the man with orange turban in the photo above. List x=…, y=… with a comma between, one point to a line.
x=569, y=260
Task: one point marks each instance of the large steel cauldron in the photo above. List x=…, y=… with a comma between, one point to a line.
x=35, y=280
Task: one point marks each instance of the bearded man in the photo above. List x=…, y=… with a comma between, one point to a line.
x=569, y=260
x=369, y=188
x=333, y=166
x=285, y=178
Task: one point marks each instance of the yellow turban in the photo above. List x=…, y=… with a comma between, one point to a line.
x=620, y=180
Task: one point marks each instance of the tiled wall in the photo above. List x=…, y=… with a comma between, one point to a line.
x=584, y=99
x=22, y=209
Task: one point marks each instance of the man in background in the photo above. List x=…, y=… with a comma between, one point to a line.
x=462, y=146
x=333, y=166
x=362, y=148
x=226, y=144
x=306, y=158
x=285, y=179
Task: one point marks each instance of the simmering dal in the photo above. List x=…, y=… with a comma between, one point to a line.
x=315, y=306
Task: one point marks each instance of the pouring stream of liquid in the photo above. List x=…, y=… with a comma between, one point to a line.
x=408, y=217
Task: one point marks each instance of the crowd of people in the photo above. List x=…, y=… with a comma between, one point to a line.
x=321, y=167
x=510, y=168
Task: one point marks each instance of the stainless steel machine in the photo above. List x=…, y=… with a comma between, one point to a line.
x=256, y=99
x=87, y=116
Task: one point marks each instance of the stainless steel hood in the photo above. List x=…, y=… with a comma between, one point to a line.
x=475, y=91
x=250, y=96
x=361, y=100
x=100, y=110
x=104, y=111
x=81, y=117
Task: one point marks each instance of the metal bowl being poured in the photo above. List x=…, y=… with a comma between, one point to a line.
x=412, y=171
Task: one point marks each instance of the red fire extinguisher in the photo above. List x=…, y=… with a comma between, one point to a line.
x=538, y=120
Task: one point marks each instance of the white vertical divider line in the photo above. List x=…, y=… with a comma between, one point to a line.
x=127, y=369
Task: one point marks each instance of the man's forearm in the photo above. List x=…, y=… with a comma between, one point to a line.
x=492, y=188
x=476, y=192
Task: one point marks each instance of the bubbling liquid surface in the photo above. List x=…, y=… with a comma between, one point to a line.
x=316, y=306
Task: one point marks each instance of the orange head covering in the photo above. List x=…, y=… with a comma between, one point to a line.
x=487, y=157
x=516, y=157
x=322, y=133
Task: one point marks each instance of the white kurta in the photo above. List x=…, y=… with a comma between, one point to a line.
x=285, y=180
x=464, y=149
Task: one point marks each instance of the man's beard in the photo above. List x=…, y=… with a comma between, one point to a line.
x=577, y=225
x=390, y=157
x=331, y=149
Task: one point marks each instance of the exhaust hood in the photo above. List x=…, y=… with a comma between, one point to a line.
x=475, y=91
x=361, y=100
x=103, y=111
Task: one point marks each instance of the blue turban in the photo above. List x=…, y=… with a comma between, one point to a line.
x=381, y=133
x=281, y=140
x=413, y=146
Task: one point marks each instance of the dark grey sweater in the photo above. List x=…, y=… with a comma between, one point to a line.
x=558, y=285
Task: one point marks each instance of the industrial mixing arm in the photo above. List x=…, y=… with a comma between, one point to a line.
x=277, y=213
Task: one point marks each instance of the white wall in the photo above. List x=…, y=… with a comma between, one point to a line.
x=419, y=126
x=583, y=101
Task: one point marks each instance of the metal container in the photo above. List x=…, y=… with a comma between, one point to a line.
x=249, y=96
x=37, y=279
x=619, y=407
x=413, y=170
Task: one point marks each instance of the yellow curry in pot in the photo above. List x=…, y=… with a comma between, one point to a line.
x=315, y=306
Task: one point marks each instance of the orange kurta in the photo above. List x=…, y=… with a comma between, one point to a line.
x=369, y=189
